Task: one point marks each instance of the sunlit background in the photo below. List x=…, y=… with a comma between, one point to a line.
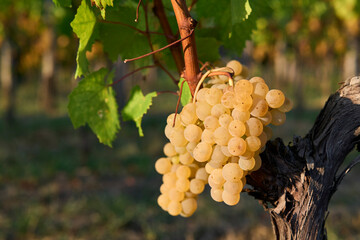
x=61, y=183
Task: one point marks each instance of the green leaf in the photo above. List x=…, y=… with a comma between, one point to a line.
x=240, y=10
x=62, y=3
x=93, y=102
x=186, y=93
x=86, y=28
x=137, y=106
x=102, y=4
x=208, y=49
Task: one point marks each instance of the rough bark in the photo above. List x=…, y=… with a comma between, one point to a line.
x=186, y=26
x=296, y=182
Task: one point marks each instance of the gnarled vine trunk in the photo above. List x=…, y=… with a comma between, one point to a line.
x=296, y=182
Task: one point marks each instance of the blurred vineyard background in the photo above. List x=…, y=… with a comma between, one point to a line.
x=60, y=183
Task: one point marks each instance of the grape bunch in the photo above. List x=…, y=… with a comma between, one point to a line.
x=217, y=139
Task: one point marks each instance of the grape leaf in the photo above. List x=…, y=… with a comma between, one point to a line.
x=102, y=4
x=137, y=106
x=240, y=10
x=93, y=102
x=86, y=28
x=186, y=93
x=62, y=3
x=207, y=48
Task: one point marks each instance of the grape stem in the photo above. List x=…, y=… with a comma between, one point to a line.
x=137, y=11
x=132, y=27
x=130, y=73
x=178, y=102
x=159, y=50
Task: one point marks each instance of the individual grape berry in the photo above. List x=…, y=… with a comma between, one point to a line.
x=169, y=150
x=216, y=194
x=260, y=89
x=170, y=120
x=257, y=80
x=215, y=164
x=218, y=155
x=275, y=98
x=263, y=139
x=209, y=168
x=259, y=107
x=236, y=146
x=201, y=174
x=186, y=158
x=218, y=109
x=213, y=96
x=278, y=118
x=163, y=165
x=169, y=179
x=216, y=176
x=230, y=199
x=242, y=116
x=254, y=127
x=221, y=136
x=287, y=106
x=224, y=120
x=202, y=152
x=236, y=66
x=201, y=95
x=203, y=109
x=207, y=136
x=177, y=137
x=247, y=164
x=197, y=186
x=233, y=187
x=189, y=206
x=188, y=114
x=183, y=171
x=211, y=123
x=225, y=151
x=180, y=150
x=174, y=208
x=182, y=184
x=232, y=172
x=165, y=188
x=253, y=143
x=228, y=99
x=176, y=195
x=192, y=133
x=266, y=119
x=243, y=87
x=163, y=201
x=236, y=128
x=247, y=154
x=243, y=102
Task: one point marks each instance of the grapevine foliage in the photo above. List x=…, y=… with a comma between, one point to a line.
x=111, y=22
x=93, y=102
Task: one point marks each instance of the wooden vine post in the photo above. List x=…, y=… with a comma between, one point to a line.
x=296, y=182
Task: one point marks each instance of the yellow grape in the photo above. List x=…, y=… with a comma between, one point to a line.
x=197, y=186
x=201, y=95
x=207, y=136
x=209, y=168
x=254, y=127
x=263, y=139
x=183, y=171
x=257, y=163
x=176, y=195
x=216, y=176
x=165, y=188
x=189, y=206
x=163, y=165
x=174, y=208
x=243, y=87
x=163, y=201
x=260, y=89
x=192, y=133
x=225, y=151
x=190, y=147
x=236, y=146
x=186, y=158
x=169, y=179
x=215, y=164
x=188, y=114
x=228, y=99
x=275, y=98
x=211, y=123
x=233, y=159
x=170, y=120
x=221, y=136
x=237, y=128
x=278, y=118
x=287, y=106
x=242, y=116
x=232, y=172
x=213, y=96
x=236, y=66
x=203, y=109
x=169, y=150
x=256, y=80
x=216, y=194
x=266, y=119
x=224, y=120
x=201, y=174
x=177, y=137
x=233, y=187
x=230, y=199
x=202, y=152
x=247, y=154
x=180, y=150
x=218, y=155
x=218, y=109
x=253, y=143
x=243, y=102
x=247, y=164
x=182, y=184
x=259, y=107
